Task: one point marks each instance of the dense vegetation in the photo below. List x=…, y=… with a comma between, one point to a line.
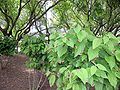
x=78, y=60
x=34, y=47
x=7, y=46
x=100, y=15
x=82, y=49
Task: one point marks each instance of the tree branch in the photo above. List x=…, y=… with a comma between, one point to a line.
x=19, y=11
x=7, y=15
x=39, y=17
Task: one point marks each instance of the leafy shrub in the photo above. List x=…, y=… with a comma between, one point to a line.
x=79, y=60
x=7, y=45
x=34, y=47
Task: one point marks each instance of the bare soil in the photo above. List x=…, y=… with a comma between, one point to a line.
x=15, y=76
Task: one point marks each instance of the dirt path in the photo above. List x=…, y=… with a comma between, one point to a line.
x=17, y=77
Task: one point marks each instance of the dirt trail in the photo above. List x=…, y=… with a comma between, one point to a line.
x=17, y=77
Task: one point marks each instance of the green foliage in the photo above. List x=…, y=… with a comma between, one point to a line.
x=34, y=47
x=100, y=15
x=86, y=61
x=52, y=80
x=7, y=45
x=16, y=16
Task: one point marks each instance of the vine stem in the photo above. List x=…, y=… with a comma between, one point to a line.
x=29, y=81
x=42, y=84
x=38, y=86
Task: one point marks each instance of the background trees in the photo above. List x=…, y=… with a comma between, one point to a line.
x=100, y=15
x=18, y=16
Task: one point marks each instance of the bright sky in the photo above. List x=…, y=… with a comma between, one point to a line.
x=49, y=17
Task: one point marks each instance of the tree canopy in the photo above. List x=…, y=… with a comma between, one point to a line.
x=100, y=15
x=18, y=16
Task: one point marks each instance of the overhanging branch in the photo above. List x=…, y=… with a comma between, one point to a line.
x=29, y=24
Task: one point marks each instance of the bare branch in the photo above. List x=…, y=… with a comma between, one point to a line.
x=30, y=24
x=89, y=8
x=25, y=4
x=7, y=15
x=19, y=11
x=78, y=18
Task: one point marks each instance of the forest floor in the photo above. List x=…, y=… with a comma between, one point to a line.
x=17, y=77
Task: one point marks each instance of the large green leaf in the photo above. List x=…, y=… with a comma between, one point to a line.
x=117, y=55
x=80, y=48
x=112, y=79
x=99, y=78
x=105, y=39
x=111, y=61
x=59, y=81
x=82, y=86
x=100, y=73
x=69, y=86
x=76, y=87
x=64, y=39
x=58, y=42
x=111, y=46
x=70, y=43
x=93, y=69
x=77, y=29
x=62, y=69
x=52, y=79
x=90, y=35
x=81, y=35
x=53, y=36
x=101, y=67
x=82, y=74
x=96, y=42
x=109, y=87
x=92, y=53
x=61, y=50
x=117, y=74
x=98, y=86
x=91, y=81
x=83, y=57
x=110, y=35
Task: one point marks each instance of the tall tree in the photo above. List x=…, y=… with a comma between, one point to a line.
x=18, y=16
